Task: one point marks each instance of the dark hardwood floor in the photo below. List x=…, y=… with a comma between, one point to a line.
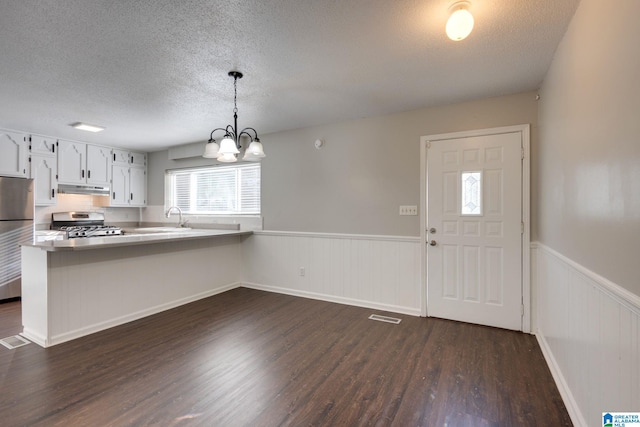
x=251, y=358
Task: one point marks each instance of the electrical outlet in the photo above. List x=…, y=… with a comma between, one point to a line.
x=302, y=271
x=408, y=210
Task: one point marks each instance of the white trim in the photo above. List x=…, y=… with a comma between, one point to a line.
x=526, y=185
x=526, y=235
x=334, y=299
x=337, y=236
x=565, y=392
x=424, y=303
x=615, y=291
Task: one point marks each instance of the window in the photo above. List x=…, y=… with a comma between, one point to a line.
x=471, y=193
x=216, y=190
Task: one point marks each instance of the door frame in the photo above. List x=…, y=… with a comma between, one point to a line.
x=525, y=205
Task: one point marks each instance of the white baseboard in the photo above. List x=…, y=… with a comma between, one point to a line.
x=34, y=337
x=565, y=392
x=97, y=327
x=331, y=298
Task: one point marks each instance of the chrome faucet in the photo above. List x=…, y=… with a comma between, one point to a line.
x=168, y=214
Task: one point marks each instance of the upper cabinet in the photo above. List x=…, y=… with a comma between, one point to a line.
x=43, y=168
x=13, y=153
x=129, y=178
x=80, y=163
x=43, y=145
x=44, y=171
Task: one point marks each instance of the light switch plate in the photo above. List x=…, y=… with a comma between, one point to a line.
x=408, y=210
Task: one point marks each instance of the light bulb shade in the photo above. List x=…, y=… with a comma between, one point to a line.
x=228, y=146
x=460, y=24
x=254, y=152
x=227, y=158
x=211, y=150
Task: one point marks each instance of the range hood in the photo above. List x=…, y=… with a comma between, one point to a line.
x=91, y=190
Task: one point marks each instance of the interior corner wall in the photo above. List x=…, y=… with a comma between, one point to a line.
x=589, y=147
x=367, y=168
x=585, y=265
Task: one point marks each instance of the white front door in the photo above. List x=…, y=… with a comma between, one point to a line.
x=474, y=227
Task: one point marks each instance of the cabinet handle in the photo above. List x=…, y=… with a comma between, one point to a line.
x=131, y=196
x=53, y=148
x=114, y=157
x=89, y=174
x=114, y=195
x=83, y=173
x=53, y=193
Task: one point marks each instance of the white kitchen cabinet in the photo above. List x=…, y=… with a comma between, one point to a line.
x=44, y=170
x=128, y=178
x=80, y=163
x=98, y=165
x=138, y=159
x=119, y=185
x=13, y=153
x=43, y=144
x=138, y=186
x=121, y=157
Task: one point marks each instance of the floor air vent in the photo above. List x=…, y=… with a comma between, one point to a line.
x=387, y=319
x=14, y=342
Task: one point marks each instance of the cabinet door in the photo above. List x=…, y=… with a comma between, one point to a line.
x=71, y=162
x=120, y=186
x=43, y=144
x=138, y=159
x=138, y=186
x=44, y=168
x=13, y=154
x=120, y=157
x=98, y=165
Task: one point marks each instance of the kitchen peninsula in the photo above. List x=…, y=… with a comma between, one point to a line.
x=73, y=288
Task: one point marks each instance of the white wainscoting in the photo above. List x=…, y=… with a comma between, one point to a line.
x=589, y=332
x=379, y=272
x=70, y=294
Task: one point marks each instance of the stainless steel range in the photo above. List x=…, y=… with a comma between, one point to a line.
x=83, y=224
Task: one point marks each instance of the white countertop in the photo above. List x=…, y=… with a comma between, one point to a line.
x=131, y=239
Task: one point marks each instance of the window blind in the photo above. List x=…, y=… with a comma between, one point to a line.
x=216, y=190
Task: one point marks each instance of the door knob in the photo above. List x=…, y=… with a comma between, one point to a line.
x=432, y=230
x=432, y=243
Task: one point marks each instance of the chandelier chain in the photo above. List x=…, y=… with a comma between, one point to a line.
x=235, y=94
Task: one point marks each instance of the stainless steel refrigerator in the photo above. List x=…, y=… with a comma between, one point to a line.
x=16, y=226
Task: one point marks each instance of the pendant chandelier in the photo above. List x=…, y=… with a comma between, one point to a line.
x=229, y=148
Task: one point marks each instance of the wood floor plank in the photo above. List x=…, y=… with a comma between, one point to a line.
x=252, y=358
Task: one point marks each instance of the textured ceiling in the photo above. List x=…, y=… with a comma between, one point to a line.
x=154, y=72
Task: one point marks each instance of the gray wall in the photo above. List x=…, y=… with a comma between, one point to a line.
x=366, y=170
x=368, y=167
x=589, y=151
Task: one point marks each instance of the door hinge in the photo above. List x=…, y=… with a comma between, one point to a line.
x=522, y=227
x=521, y=309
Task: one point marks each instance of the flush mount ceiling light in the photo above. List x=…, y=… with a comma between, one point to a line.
x=460, y=22
x=228, y=150
x=87, y=127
